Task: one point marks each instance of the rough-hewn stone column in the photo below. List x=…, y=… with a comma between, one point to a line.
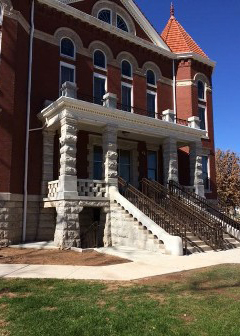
x=196, y=177
x=110, y=154
x=68, y=173
x=170, y=160
x=47, y=165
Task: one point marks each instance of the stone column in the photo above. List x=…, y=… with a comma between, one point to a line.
x=110, y=155
x=170, y=160
x=47, y=165
x=196, y=178
x=68, y=173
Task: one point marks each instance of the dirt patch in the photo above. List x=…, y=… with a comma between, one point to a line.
x=57, y=257
x=187, y=318
x=49, y=308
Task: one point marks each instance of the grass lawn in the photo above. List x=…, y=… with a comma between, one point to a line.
x=197, y=303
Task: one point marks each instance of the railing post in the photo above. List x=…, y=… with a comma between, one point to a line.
x=196, y=176
x=194, y=122
x=69, y=90
x=168, y=115
x=170, y=160
x=110, y=100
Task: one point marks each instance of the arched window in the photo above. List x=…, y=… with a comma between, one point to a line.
x=151, y=78
x=67, y=48
x=105, y=15
x=201, y=90
x=126, y=69
x=99, y=59
x=121, y=24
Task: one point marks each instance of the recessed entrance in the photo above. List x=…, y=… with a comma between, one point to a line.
x=91, y=227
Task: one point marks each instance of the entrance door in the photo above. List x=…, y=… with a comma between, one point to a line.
x=124, y=164
x=152, y=165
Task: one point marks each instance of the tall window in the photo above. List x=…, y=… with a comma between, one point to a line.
x=202, y=117
x=201, y=90
x=151, y=104
x=151, y=78
x=121, y=24
x=99, y=88
x=205, y=169
x=152, y=165
x=97, y=162
x=99, y=59
x=1, y=14
x=126, y=97
x=67, y=73
x=67, y=48
x=126, y=69
x=105, y=15
x=124, y=164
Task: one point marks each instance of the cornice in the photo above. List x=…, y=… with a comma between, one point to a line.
x=196, y=57
x=88, y=113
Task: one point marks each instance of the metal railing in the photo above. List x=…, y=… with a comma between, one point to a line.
x=155, y=212
x=209, y=232
x=211, y=212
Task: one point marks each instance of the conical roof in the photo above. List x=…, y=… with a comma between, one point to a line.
x=177, y=39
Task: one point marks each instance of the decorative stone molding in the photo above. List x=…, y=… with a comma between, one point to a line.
x=196, y=177
x=68, y=172
x=194, y=122
x=168, y=115
x=124, y=55
x=115, y=9
x=69, y=90
x=152, y=66
x=91, y=188
x=103, y=47
x=7, y=5
x=203, y=78
x=67, y=32
x=94, y=204
x=170, y=160
x=110, y=154
x=110, y=100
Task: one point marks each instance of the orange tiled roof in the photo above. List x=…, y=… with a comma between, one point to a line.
x=178, y=40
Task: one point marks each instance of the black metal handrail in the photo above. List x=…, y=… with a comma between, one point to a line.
x=155, y=212
x=191, y=199
x=209, y=232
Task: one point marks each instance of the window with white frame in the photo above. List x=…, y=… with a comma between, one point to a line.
x=152, y=165
x=67, y=73
x=202, y=117
x=201, y=90
x=151, y=103
x=99, y=88
x=99, y=59
x=126, y=69
x=124, y=164
x=105, y=15
x=206, y=172
x=127, y=97
x=151, y=78
x=67, y=48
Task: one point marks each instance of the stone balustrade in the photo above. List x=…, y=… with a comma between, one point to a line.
x=53, y=189
x=91, y=188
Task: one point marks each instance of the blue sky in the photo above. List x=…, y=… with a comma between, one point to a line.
x=215, y=26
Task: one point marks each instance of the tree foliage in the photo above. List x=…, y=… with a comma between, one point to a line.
x=228, y=177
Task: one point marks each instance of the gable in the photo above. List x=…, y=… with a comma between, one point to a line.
x=126, y=9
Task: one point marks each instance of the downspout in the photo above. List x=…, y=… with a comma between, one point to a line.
x=174, y=90
x=25, y=198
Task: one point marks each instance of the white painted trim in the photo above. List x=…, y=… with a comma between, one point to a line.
x=97, y=75
x=97, y=66
x=125, y=76
x=154, y=93
x=206, y=117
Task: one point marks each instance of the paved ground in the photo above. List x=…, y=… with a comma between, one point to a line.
x=145, y=264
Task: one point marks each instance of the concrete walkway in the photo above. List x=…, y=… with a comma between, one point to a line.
x=144, y=264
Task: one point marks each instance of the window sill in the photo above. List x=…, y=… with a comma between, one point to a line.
x=100, y=68
x=126, y=77
x=68, y=57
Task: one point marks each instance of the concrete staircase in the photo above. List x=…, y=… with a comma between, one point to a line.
x=128, y=231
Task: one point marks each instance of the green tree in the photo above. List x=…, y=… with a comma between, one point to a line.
x=228, y=177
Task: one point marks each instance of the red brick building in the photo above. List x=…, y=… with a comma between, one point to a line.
x=90, y=91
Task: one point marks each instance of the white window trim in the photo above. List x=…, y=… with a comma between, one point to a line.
x=111, y=15
x=1, y=14
x=66, y=56
x=154, y=93
x=117, y=14
x=70, y=66
x=97, y=75
x=209, y=177
x=206, y=119
x=124, y=76
x=152, y=86
x=131, y=87
x=205, y=91
x=149, y=84
x=97, y=66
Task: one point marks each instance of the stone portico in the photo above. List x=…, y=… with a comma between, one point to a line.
x=70, y=195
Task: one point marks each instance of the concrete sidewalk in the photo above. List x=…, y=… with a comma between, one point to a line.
x=144, y=264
